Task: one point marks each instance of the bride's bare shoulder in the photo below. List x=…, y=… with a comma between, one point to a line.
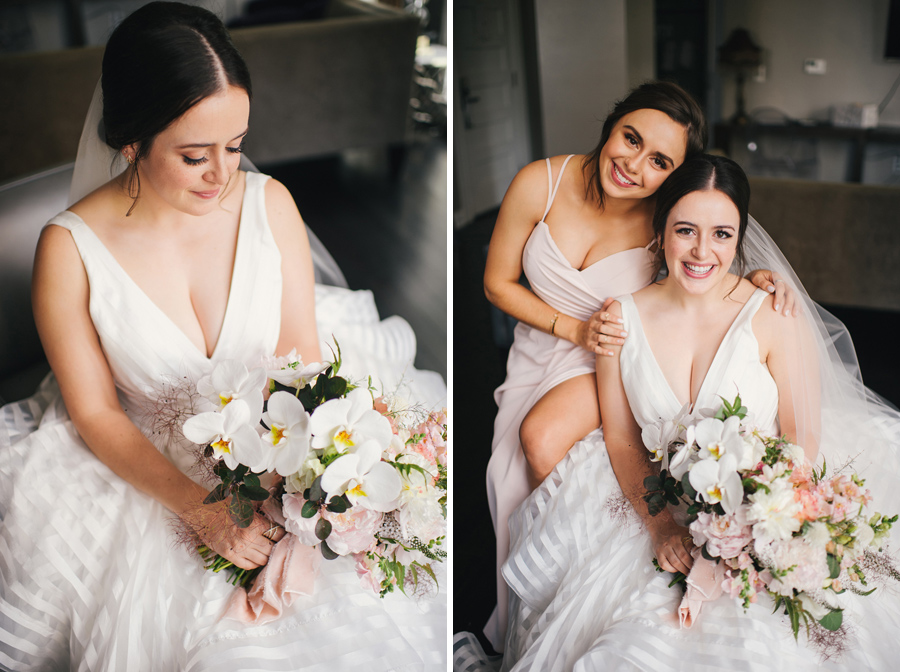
x=100, y=206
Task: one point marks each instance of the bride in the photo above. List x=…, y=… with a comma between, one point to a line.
x=584, y=593
x=177, y=263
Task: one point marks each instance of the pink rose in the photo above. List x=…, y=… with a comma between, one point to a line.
x=724, y=536
x=351, y=532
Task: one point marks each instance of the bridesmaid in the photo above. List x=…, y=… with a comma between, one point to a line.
x=592, y=241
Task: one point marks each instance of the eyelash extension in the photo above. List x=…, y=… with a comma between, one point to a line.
x=196, y=162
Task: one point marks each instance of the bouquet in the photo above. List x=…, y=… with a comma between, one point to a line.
x=344, y=472
x=764, y=520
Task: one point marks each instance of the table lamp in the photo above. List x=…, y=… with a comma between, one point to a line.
x=740, y=54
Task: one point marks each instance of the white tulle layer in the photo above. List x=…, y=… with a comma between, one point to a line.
x=585, y=596
x=91, y=577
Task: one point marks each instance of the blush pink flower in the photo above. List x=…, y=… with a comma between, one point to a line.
x=810, y=503
x=351, y=532
x=724, y=536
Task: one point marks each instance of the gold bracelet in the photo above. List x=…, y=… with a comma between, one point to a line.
x=553, y=324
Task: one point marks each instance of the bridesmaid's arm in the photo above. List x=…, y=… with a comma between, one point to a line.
x=298, y=298
x=60, y=296
x=522, y=207
x=631, y=464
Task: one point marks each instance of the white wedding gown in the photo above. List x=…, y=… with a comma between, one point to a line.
x=91, y=577
x=584, y=594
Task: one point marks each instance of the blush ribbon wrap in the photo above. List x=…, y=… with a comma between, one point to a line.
x=291, y=571
x=704, y=584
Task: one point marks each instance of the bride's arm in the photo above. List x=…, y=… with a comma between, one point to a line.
x=789, y=350
x=60, y=295
x=522, y=207
x=631, y=464
x=298, y=298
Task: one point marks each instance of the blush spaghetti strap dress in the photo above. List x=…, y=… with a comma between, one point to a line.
x=538, y=362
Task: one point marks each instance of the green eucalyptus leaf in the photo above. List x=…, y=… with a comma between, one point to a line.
x=834, y=566
x=315, y=491
x=219, y=493
x=323, y=529
x=832, y=620
x=309, y=509
x=255, y=493
x=652, y=482
x=686, y=484
x=338, y=505
x=335, y=387
x=327, y=553
x=241, y=510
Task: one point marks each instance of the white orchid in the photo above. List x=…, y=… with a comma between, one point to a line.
x=287, y=441
x=347, y=423
x=230, y=380
x=657, y=437
x=364, y=478
x=290, y=371
x=230, y=434
x=716, y=438
x=717, y=481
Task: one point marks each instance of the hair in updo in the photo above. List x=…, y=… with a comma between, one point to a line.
x=666, y=97
x=163, y=59
x=705, y=172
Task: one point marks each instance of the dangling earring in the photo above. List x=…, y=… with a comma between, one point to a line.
x=129, y=158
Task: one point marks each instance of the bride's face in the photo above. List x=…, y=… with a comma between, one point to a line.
x=191, y=161
x=701, y=240
x=644, y=147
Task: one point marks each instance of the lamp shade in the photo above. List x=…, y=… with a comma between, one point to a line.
x=739, y=50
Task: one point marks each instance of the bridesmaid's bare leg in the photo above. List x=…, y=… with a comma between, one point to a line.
x=566, y=414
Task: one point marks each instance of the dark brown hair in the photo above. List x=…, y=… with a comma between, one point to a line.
x=163, y=59
x=668, y=98
x=704, y=172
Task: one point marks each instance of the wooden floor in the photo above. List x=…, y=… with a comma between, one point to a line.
x=387, y=232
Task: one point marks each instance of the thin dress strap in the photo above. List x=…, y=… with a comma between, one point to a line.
x=552, y=193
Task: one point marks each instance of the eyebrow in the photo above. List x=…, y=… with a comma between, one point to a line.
x=641, y=140
x=198, y=145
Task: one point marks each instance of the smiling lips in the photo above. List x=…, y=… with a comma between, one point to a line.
x=697, y=271
x=619, y=178
x=207, y=194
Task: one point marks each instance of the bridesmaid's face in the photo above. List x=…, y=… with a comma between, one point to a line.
x=191, y=161
x=644, y=147
x=701, y=240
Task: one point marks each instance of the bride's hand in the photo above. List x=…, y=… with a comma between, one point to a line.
x=784, y=293
x=248, y=547
x=601, y=328
x=672, y=544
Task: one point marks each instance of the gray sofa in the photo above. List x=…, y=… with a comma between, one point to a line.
x=320, y=86
x=843, y=240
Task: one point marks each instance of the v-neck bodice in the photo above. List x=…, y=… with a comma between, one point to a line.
x=735, y=368
x=580, y=292
x=143, y=346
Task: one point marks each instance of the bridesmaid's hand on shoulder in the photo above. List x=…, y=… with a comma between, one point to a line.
x=773, y=283
x=603, y=328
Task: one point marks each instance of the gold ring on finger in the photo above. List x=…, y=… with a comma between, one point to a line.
x=687, y=539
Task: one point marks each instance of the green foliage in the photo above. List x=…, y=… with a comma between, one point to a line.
x=832, y=620
x=834, y=566
x=662, y=490
x=327, y=553
x=734, y=408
